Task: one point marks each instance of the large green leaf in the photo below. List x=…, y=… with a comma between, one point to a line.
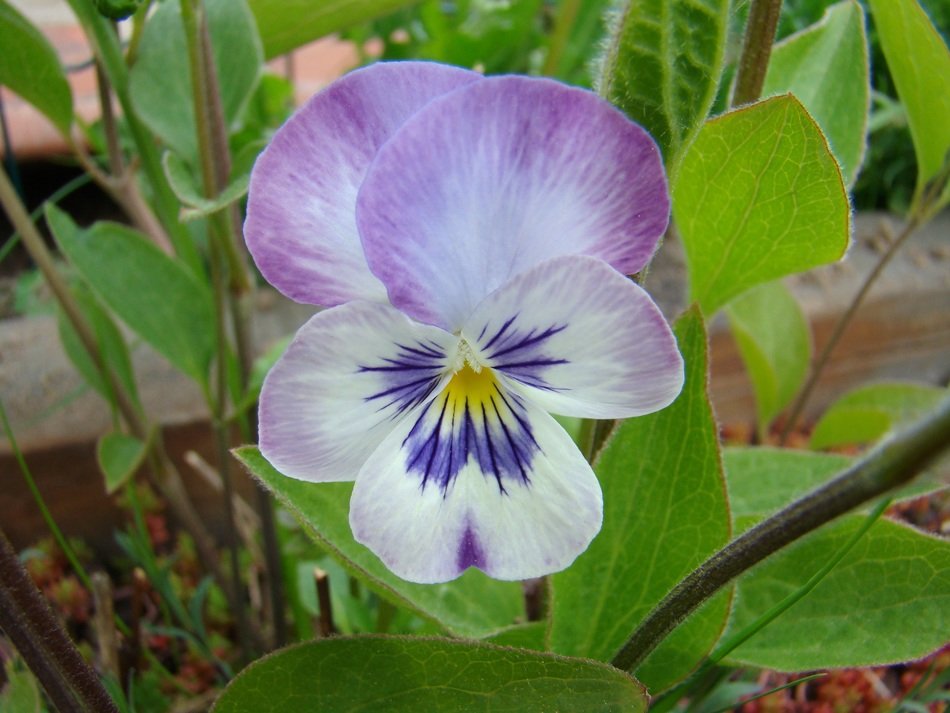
x=160, y=80
x=869, y=412
x=30, y=67
x=396, y=674
x=665, y=511
x=775, y=342
x=472, y=605
x=887, y=601
x=285, y=25
x=662, y=65
x=920, y=65
x=758, y=195
x=763, y=480
x=826, y=67
x=154, y=294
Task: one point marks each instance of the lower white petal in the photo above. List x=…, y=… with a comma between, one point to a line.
x=429, y=515
x=341, y=386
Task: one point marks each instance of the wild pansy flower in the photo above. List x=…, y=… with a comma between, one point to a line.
x=470, y=238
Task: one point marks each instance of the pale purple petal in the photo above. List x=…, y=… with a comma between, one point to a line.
x=580, y=339
x=498, y=176
x=301, y=224
x=342, y=385
x=512, y=522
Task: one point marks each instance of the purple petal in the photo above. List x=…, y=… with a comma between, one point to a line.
x=579, y=339
x=510, y=527
x=498, y=176
x=342, y=385
x=301, y=225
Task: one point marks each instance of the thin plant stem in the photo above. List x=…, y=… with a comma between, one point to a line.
x=763, y=694
x=891, y=464
x=566, y=15
x=27, y=619
x=239, y=306
x=166, y=475
x=47, y=516
x=726, y=647
x=844, y=321
x=756, y=50
x=214, y=174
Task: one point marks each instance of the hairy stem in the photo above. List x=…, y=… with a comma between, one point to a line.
x=31, y=625
x=891, y=464
x=756, y=50
x=795, y=411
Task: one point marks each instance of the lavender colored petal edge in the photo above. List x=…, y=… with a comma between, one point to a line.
x=301, y=226
x=494, y=178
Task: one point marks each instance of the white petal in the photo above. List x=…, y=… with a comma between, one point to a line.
x=429, y=519
x=581, y=340
x=342, y=385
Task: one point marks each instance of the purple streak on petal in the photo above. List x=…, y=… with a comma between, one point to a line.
x=493, y=432
x=498, y=176
x=409, y=378
x=301, y=225
x=519, y=351
x=470, y=551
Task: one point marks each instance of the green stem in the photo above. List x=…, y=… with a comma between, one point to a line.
x=756, y=50
x=61, y=540
x=891, y=464
x=27, y=620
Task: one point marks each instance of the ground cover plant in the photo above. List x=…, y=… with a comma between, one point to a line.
x=489, y=464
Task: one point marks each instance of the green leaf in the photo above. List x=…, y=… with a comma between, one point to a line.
x=665, y=511
x=758, y=196
x=869, y=412
x=398, y=674
x=920, y=65
x=662, y=65
x=838, y=99
x=21, y=692
x=775, y=342
x=30, y=67
x=763, y=480
x=286, y=25
x=160, y=80
x=472, y=605
x=111, y=343
x=188, y=192
x=119, y=456
x=887, y=601
x=154, y=294
x=530, y=635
